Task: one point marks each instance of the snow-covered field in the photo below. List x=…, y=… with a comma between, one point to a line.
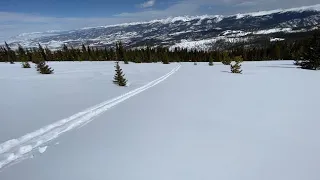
x=172, y=122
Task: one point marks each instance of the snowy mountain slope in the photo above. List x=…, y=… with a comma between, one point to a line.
x=227, y=127
x=173, y=30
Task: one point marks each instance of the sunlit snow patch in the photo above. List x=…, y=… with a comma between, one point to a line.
x=42, y=149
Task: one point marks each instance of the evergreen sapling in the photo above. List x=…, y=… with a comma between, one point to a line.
x=211, y=61
x=119, y=78
x=25, y=64
x=41, y=66
x=236, y=67
x=226, y=60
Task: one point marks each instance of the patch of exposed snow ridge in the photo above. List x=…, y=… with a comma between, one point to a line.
x=205, y=44
x=264, y=13
x=42, y=149
x=276, y=39
x=275, y=30
x=217, y=18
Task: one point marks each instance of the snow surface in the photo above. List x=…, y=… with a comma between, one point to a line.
x=50, y=132
x=73, y=87
x=42, y=149
x=206, y=44
x=257, y=125
x=271, y=31
x=276, y=39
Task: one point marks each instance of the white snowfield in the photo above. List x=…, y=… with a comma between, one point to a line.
x=200, y=122
x=16, y=149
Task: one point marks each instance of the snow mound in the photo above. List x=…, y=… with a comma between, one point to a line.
x=42, y=149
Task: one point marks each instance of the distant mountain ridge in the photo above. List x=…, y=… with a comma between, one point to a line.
x=199, y=32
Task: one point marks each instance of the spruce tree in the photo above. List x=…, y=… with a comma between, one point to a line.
x=236, y=67
x=277, y=52
x=226, y=60
x=165, y=58
x=210, y=61
x=11, y=54
x=84, y=53
x=22, y=53
x=148, y=56
x=42, y=67
x=121, y=53
x=119, y=78
x=311, y=56
x=23, y=57
x=25, y=64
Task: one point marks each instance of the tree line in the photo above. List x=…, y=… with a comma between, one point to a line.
x=283, y=50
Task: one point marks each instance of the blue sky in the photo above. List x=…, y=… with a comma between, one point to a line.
x=20, y=16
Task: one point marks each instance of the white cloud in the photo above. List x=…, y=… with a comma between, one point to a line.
x=147, y=4
x=247, y=3
x=12, y=24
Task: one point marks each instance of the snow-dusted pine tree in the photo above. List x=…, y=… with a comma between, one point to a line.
x=42, y=67
x=25, y=64
x=226, y=60
x=236, y=66
x=119, y=78
x=11, y=54
x=311, y=56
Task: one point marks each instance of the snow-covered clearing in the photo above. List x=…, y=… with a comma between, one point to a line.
x=39, y=137
x=200, y=123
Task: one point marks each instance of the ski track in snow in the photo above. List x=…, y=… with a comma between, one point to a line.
x=16, y=150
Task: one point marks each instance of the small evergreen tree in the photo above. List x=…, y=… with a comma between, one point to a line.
x=165, y=58
x=311, y=57
x=41, y=66
x=121, y=54
x=195, y=62
x=22, y=53
x=236, y=67
x=119, y=78
x=125, y=59
x=210, y=61
x=23, y=57
x=11, y=54
x=25, y=64
x=277, y=52
x=226, y=60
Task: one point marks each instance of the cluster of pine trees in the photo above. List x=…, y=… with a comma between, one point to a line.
x=275, y=51
x=296, y=50
x=309, y=58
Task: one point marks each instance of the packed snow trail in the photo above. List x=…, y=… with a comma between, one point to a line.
x=14, y=150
